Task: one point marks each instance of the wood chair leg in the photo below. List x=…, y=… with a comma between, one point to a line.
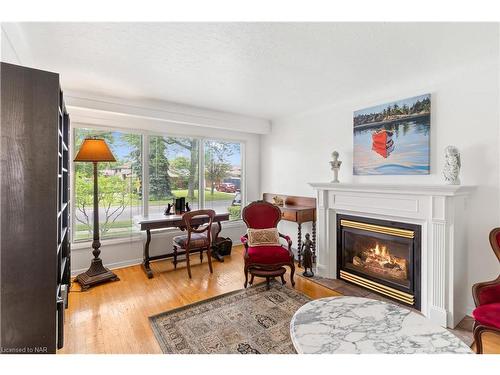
x=209, y=256
x=251, y=279
x=478, y=331
x=268, y=284
x=175, y=257
x=188, y=264
x=283, y=282
x=201, y=256
x=292, y=272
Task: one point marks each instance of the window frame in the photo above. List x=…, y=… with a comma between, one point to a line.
x=243, y=182
x=145, y=135
x=73, y=175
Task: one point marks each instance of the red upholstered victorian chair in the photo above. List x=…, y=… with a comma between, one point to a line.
x=266, y=261
x=487, y=299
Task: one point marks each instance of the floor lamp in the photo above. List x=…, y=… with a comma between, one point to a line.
x=95, y=150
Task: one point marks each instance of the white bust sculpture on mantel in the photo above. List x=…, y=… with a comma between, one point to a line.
x=452, y=165
x=335, y=163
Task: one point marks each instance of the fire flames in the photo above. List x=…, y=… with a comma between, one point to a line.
x=380, y=261
x=381, y=250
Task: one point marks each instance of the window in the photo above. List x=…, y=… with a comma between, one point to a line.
x=223, y=177
x=173, y=171
x=120, y=186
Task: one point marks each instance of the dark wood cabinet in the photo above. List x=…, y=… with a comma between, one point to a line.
x=35, y=246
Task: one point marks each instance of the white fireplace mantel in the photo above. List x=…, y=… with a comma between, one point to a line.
x=440, y=210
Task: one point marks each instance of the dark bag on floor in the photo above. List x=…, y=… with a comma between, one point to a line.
x=223, y=246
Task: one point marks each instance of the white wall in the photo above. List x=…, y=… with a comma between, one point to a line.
x=464, y=113
x=15, y=50
x=8, y=53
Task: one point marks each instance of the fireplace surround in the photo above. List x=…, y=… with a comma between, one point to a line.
x=441, y=213
x=380, y=255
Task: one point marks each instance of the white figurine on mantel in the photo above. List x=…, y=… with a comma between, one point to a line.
x=335, y=163
x=452, y=165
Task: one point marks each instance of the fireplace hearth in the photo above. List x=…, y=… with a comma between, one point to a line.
x=382, y=256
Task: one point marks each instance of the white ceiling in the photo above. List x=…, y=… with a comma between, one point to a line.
x=266, y=70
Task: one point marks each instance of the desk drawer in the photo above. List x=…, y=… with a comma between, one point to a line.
x=305, y=216
x=289, y=215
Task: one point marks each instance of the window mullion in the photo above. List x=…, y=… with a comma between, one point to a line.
x=145, y=174
x=243, y=180
x=201, y=171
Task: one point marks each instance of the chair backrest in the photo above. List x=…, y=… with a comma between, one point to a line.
x=260, y=215
x=495, y=242
x=194, y=221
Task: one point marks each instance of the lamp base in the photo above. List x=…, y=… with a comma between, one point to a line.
x=96, y=274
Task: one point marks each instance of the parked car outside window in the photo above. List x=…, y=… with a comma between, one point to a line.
x=226, y=187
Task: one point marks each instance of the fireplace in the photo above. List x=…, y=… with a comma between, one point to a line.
x=379, y=255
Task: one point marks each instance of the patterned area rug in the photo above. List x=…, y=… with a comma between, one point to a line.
x=247, y=321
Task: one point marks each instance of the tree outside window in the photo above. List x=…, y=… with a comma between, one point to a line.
x=173, y=171
x=120, y=187
x=223, y=177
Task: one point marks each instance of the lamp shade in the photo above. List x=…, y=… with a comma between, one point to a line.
x=94, y=150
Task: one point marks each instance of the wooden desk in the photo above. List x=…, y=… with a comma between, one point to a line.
x=299, y=210
x=171, y=221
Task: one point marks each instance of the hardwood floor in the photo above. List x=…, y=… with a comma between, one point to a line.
x=113, y=317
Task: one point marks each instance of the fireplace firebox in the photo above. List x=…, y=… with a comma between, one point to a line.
x=382, y=256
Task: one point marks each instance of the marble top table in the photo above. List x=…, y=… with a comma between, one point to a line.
x=353, y=325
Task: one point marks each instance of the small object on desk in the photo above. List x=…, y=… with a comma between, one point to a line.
x=180, y=205
x=168, y=210
x=307, y=257
x=335, y=164
x=187, y=207
x=278, y=201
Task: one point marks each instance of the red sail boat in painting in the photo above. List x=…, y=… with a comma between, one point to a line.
x=382, y=142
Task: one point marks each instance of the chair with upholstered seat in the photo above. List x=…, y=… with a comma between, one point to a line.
x=266, y=260
x=487, y=299
x=197, y=239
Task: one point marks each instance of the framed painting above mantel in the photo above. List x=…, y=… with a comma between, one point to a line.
x=393, y=138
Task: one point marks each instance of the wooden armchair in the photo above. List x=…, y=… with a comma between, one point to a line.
x=487, y=299
x=266, y=261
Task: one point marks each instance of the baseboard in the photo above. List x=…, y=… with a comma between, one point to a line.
x=112, y=266
x=126, y=263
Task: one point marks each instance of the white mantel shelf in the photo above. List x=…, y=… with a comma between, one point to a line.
x=440, y=210
x=414, y=189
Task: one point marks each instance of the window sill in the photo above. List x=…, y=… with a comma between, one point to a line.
x=112, y=241
x=139, y=236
